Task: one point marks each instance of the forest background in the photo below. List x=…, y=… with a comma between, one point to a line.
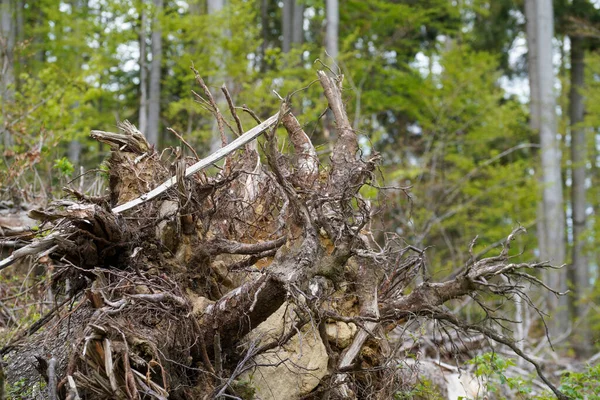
x=440, y=88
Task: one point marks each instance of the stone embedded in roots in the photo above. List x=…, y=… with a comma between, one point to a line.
x=291, y=370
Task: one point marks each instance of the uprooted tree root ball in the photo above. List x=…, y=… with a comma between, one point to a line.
x=261, y=280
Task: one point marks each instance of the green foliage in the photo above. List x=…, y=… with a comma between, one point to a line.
x=490, y=370
x=425, y=390
x=64, y=167
x=581, y=385
x=471, y=148
x=244, y=389
x=21, y=390
x=578, y=385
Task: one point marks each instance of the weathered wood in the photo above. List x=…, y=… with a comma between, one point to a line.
x=200, y=165
x=33, y=249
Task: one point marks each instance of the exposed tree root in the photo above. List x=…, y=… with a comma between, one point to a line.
x=160, y=286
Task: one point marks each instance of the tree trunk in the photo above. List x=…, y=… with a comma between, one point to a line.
x=287, y=23
x=155, y=73
x=332, y=14
x=20, y=30
x=74, y=152
x=264, y=22
x=215, y=6
x=552, y=237
x=298, y=23
x=579, y=268
x=143, y=114
x=292, y=24
x=534, y=112
x=217, y=141
x=7, y=71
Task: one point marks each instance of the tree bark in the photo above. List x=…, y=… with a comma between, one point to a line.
x=264, y=22
x=20, y=30
x=579, y=267
x=7, y=77
x=213, y=7
x=292, y=24
x=288, y=17
x=332, y=13
x=143, y=114
x=552, y=248
x=153, y=130
x=298, y=23
x=74, y=152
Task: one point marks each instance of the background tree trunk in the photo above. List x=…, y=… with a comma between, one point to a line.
x=292, y=24
x=7, y=47
x=20, y=32
x=155, y=74
x=298, y=23
x=286, y=28
x=332, y=13
x=213, y=7
x=143, y=114
x=264, y=22
x=75, y=147
x=552, y=236
x=580, y=278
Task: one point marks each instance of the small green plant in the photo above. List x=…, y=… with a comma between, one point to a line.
x=582, y=385
x=490, y=369
x=64, y=166
x=21, y=390
x=104, y=171
x=244, y=389
x=425, y=389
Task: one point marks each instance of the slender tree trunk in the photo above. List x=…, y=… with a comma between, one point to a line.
x=298, y=23
x=287, y=23
x=7, y=71
x=292, y=24
x=74, y=153
x=534, y=111
x=75, y=147
x=216, y=6
x=152, y=132
x=143, y=114
x=332, y=13
x=264, y=22
x=20, y=32
x=579, y=268
x=552, y=238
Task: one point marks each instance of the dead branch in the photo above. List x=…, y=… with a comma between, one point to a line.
x=232, y=109
x=346, y=146
x=219, y=246
x=131, y=139
x=307, y=159
x=184, y=142
x=212, y=105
